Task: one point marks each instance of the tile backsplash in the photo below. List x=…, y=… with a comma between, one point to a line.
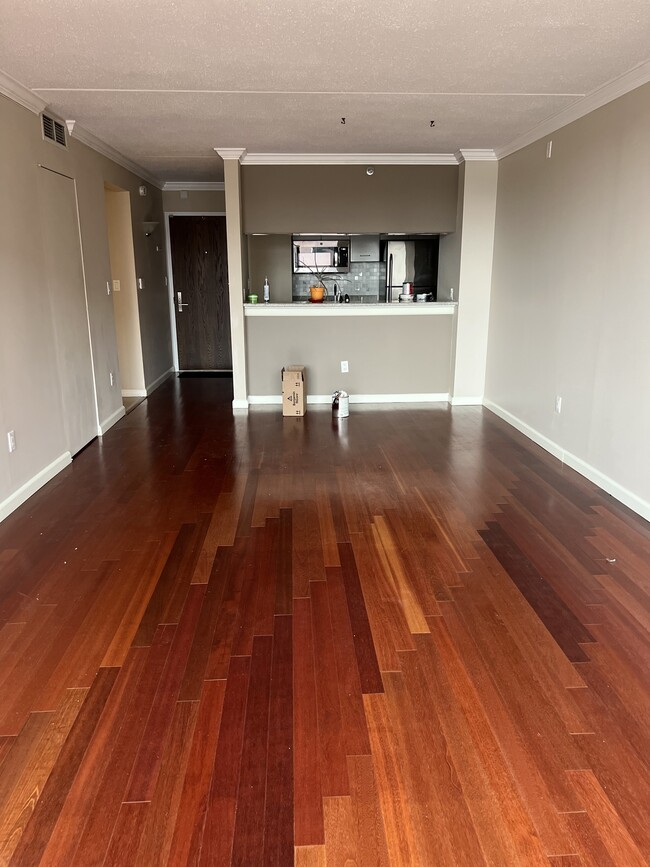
x=364, y=282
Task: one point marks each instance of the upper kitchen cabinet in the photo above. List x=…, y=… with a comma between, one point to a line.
x=290, y=199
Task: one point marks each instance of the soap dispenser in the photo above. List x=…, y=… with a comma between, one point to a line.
x=267, y=291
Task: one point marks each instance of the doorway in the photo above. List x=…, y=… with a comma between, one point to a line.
x=117, y=204
x=199, y=270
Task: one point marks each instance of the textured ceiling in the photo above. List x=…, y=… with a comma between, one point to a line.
x=164, y=83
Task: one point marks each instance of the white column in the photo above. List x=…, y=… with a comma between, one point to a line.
x=477, y=199
x=232, y=178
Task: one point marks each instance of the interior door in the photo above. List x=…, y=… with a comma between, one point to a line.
x=200, y=271
x=67, y=295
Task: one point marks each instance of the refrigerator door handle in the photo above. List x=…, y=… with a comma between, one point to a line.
x=389, y=280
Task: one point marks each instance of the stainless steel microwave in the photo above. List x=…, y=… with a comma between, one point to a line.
x=320, y=254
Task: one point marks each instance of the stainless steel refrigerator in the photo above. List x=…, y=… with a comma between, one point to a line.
x=411, y=260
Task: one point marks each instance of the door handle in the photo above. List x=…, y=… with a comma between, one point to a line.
x=179, y=301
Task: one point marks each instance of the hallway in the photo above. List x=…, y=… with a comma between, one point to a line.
x=407, y=638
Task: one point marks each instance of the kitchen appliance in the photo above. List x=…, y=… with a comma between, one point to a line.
x=411, y=261
x=320, y=254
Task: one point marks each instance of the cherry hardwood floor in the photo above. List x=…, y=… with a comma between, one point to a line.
x=407, y=638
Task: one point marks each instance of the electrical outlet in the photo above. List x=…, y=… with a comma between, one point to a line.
x=558, y=404
x=344, y=367
x=110, y=376
x=11, y=441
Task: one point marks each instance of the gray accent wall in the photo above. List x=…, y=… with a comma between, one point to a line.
x=570, y=305
x=386, y=354
x=30, y=393
x=286, y=199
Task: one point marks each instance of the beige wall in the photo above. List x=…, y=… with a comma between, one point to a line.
x=270, y=256
x=386, y=354
x=125, y=301
x=570, y=312
x=286, y=199
x=195, y=201
x=29, y=391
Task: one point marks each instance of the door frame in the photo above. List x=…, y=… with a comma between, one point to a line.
x=170, y=272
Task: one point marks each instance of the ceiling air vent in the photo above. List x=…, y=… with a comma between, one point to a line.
x=53, y=130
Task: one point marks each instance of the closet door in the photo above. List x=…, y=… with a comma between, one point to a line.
x=67, y=303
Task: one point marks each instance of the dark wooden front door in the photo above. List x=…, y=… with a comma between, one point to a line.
x=200, y=269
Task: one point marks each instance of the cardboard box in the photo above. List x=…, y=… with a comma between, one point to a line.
x=294, y=392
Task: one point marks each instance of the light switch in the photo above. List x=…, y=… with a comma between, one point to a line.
x=116, y=285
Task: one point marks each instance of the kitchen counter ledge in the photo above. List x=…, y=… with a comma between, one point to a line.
x=297, y=308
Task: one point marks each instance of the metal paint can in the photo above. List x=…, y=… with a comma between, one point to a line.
x=340, y=404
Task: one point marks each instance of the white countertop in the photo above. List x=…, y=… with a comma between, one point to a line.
x=305, y=308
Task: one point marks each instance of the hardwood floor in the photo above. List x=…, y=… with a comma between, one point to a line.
x=409, y=638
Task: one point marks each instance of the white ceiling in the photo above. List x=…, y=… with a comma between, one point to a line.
x=165, y=83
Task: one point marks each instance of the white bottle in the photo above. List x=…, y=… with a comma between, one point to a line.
x=267, y=291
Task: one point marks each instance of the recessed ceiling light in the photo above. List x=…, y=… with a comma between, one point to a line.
x=370, y=171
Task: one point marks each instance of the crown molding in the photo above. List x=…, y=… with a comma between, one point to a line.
x=231, y=153
x=82, y=135
x=349, y=159
x=625, y=83
x=193, y=186
x=21, y=94
x=467, y=155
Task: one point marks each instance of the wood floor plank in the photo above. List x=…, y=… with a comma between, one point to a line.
x=558, y=619
x=353, y=718
x=219, y=825
x=199, y=655
x=612, y=834
x=279, y=807
x=248, y=841
x=147, y=764
x=308, y=804
x=158, y=827
x=48, y=807
x=284, y=587
x=166, y=585
x=76, y=835
x=369, y=829
x=126, y=838
x=334, y=772
x=18, y=808
x=363, y=640
x=307, y=553
x=187, y=838
x=400, y=833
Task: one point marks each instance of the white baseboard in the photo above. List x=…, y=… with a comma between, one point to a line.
x=611, y=486
x=134, y=392
x=24, y=492
x=276, y=399
x=466, y=401
x=162, y=378
x=240, y=404
x=108, y=423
